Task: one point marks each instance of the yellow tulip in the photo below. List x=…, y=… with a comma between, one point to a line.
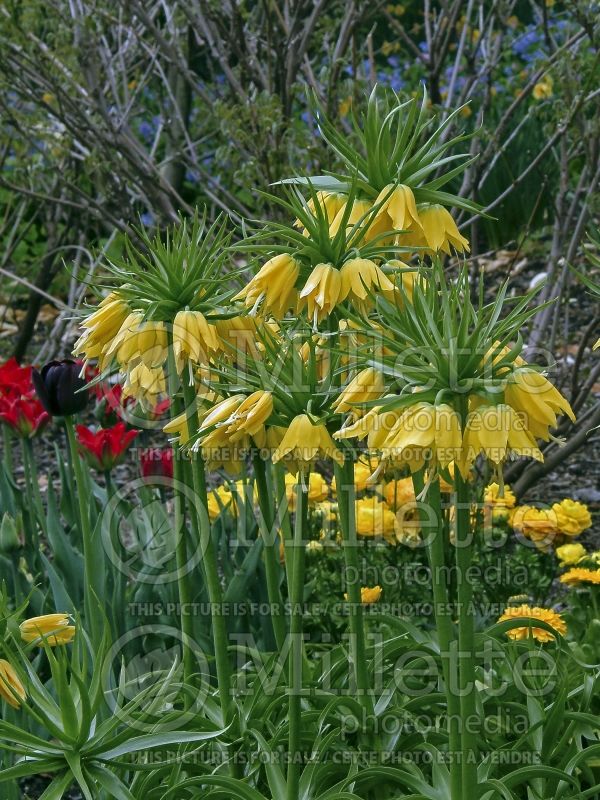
x=11, y=688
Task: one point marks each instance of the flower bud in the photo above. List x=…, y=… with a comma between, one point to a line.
x=60, y=388
x=9, y=533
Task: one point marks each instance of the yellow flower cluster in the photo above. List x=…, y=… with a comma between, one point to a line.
x=548, y=527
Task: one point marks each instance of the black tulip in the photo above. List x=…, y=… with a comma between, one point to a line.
x=60, y=388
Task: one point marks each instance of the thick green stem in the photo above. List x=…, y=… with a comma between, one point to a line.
x=296, y=592
x=271, y=556
x=284, y=518
x=346, y=492
x=201, y=522
x=8, y=442
x=466, y=638
x=181, y=560
x=445, y=632
x=34, y=499
x=92, y=592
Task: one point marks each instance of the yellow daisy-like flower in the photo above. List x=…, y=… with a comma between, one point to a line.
x=537, y=524
x=374, y=518
x=54, y=629
x=304, y=442
x=569, y=554
x=369, y=384
x=581, y=575
x=572, y=518
x=11, y=688
x=368, y=594
x=535, y=613
x=321, y=291
x=536, y=400
x=399, y=493
x=498, y=507
x=318, y=490
x=497, y=432
x=273, y=286
x=193, y=338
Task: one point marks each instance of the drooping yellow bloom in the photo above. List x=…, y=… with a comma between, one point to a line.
x=146, y=384
x=497, y=432
x=321, y=291
x=537, y=401
x=331, y=203
x=572, y=518
x=139, y=341
x=369, y=227
x=304, y=442
x=569, y=554
x=360, y=277
x=214, y=423
x=11, y=688
x=368, y=594
x=318, y=491
x=178, y=428
x=249, y=418
x=101, y=327
x=238, y=334
x=398, y=203
x=193, y=338
x=440, y=231
x=53, y=629
x=537, y=524
x=535, y=613
x=424, y=432
x=399, y=493
x=374, y=518
x=273, y=286
x=580, y=575
x=369, y=384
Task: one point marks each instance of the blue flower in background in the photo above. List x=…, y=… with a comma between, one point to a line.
x=146, y=130
x=192, y=176
x=147, y=219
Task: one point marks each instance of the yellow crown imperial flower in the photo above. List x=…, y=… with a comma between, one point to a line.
x=304, y=442
x=369, y=226
x=399, y=205
x=361, y=276
x=572, y=518
x=424, y=432
x=321, y=291
x=193, y=338
x=578, y=575
x=146, y=384
x=101, y=327
x=535, y=613
x=273, y=286
x=214, y=423
x=331, y=203
x=250, y=416
x=368, y=384
x=497, y=432
x=439, y=231
x=11, y=688
x=54, y=629
x=569, y=554
x=536, y=400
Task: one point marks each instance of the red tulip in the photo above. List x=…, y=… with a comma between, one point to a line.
x=105, y=448
x=23, y=413
x=156, y=462
x=14, y=379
